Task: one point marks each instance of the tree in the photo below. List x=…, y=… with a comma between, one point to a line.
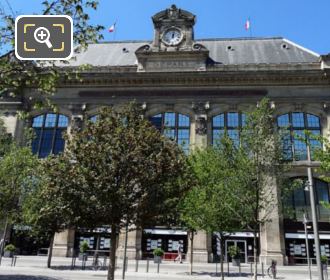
x=17, y=168
x=262, y=168
x=44, y=76
x=43, y=211
x=119, y=171
x=211, y=205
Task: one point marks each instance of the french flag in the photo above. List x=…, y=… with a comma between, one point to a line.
x=247, y=24
x=112, y=28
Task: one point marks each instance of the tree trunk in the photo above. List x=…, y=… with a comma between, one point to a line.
x=191, y=251
x=222, y=250
x=255, y=255
x=3, y=240
x=50, y=251
x=112, y=262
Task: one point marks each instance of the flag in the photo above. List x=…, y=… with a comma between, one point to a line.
x=112, y=27
x=247, y=24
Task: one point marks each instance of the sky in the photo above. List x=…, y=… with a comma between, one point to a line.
x=305, y=22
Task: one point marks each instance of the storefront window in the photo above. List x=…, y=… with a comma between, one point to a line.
x=300, y=200
x=49, y=130
x=294, y=146
x=175, y=126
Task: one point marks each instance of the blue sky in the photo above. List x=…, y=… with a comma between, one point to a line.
x=304, y=22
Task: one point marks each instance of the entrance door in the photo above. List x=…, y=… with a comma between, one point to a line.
x=241, y=244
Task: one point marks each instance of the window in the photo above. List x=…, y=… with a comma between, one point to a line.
x=231, y=122
x=294, y=148
x=49, y=130
x=175, y=126
x=300, y=200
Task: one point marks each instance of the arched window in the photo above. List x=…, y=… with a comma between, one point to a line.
x=93, y=118
x=231, y=122
x=299, y=200
x=175, y=126
x=297, y=122
x=49, y=130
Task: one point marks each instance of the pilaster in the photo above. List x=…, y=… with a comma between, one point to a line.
x=63, y=243
x=202, y=251
x=134, y=242
x=272, y=244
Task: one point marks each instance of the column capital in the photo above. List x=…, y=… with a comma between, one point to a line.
x=200, y=108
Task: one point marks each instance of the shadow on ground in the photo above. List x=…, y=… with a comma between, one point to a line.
x=26, y=277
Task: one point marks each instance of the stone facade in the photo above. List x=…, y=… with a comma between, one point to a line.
x=199, y=79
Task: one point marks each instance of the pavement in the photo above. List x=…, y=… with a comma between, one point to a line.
x=34, y=268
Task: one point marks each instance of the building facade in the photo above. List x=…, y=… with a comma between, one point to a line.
x=193, y=90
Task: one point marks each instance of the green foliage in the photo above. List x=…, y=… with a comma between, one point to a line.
x=209, y=205
x=119, y=170
x=83, y=246
x=158, y=252
x=43, y=76
x=324, y=259
x=5, y=139
x=234, y=251
x=17, y=176
x=10, y=248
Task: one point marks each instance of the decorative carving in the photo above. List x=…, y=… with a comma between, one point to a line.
x=200, y=107
x=77, y=122
x=201, y=126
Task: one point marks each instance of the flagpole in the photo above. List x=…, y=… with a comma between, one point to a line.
x=115, y=31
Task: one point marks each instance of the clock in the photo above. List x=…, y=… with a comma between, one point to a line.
x=172, y=36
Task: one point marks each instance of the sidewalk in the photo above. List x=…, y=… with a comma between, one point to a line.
x=34, y=268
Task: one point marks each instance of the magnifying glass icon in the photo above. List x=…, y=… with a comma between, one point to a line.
x=41, y=35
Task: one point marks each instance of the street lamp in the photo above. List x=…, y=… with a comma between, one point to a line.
x=305, y=221
x=314, y=216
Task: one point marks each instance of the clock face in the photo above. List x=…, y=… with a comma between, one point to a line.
x=172, y=36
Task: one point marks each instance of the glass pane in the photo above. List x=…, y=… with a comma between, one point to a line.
x=315, y=144
x=169, y=119
x=299, y=202
x=183, y=139
x=217, y=135
x=234, y=136
x=322, y=191
x=313, y=121
x=219, y=121
x=93, y=118
x=300, y=149
x=287, y=147
x=243, y=119
x=298, y=120
x=46, y=143
x=38, y=121
x=170, y=133
x=157, y=121
x=184, y=121
x=232, y=119
x=50, y=120
x=36, y=141
x=59, y=141
x=283, y=121
x=63, y=121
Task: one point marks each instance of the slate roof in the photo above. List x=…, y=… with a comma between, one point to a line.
x=223, y=51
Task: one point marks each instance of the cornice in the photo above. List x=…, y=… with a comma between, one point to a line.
x=312, y=77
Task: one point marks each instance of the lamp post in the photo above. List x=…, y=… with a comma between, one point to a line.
x=307, y=247
x=314, y=216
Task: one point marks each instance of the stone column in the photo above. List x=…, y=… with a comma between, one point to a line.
x=134, y=241
x=64, y=243
x=272, y=244
x=202, y=251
